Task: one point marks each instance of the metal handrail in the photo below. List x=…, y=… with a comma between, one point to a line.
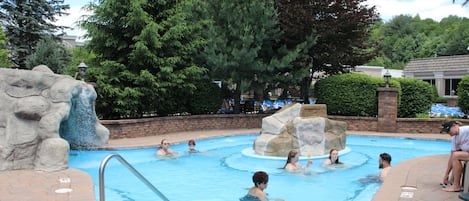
x=132, y=169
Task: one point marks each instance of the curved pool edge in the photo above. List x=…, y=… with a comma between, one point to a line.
x=173, y=138
x=183, y=137
x=249, y=152
x=421, y=136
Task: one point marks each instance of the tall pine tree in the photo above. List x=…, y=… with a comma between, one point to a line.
x=26, y=22
x=4, y=61
x=146, y=52
x=50, y=53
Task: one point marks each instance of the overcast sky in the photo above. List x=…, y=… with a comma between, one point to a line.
x=434, y=9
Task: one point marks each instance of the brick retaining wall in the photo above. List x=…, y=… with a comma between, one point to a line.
x=161, y=125
x=404, y=125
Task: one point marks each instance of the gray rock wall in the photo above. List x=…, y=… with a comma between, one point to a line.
x=290, y=129
x=37, y=108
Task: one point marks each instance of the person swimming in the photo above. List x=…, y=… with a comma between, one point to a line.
x=165, y=150
x=384, y=164
x=256, y=193
x=333, y=158
x=292, y=164
x=191, y=148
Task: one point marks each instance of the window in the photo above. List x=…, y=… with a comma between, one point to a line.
x=451, y=87
x=431, y=81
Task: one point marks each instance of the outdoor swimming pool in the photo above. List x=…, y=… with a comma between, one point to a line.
x=223, y=173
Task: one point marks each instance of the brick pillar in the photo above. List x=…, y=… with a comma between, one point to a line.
x=387, y=109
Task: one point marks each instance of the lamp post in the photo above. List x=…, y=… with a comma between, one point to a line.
x=387, y=77
x=82, y=69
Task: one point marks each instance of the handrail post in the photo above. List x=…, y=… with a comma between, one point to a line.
x=102, y=167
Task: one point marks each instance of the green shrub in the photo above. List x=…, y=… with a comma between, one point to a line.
x=350, y=94
x=416, y=97
x=435, y=94
x=463, y=94
x=422, y=115
x=207, y=99
x=441, y=100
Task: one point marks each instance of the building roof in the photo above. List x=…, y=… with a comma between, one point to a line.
x=438, y=64
x=378, y=71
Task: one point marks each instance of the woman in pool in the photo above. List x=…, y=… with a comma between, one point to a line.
x=292, y=164
x=256, y=193
x=333, y=158
x=165, y=150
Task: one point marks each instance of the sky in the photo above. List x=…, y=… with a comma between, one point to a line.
x=434, y=9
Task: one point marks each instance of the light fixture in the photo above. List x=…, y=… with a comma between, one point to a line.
x=82, y=69
x=387, y=78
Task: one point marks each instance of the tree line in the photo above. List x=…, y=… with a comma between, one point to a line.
x=156, y=57
x=405, y=37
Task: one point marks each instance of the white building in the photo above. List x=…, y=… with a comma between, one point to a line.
x=378, y=71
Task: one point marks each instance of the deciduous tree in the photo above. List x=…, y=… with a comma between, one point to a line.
x=404, y=38
x=342, y=29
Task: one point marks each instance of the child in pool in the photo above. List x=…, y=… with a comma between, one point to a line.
x=191, y=148
x=256, y=193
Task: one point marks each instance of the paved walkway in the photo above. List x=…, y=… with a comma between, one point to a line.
x=28, y=185
x=413, y=180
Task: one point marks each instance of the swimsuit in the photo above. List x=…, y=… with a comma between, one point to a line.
x=249, y=197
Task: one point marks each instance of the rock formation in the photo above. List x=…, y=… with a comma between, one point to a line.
x=300, y=127
x=42, y=115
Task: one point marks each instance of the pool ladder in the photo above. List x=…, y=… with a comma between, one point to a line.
x=129, y=167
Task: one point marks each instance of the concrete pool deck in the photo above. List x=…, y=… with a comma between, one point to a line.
x=412, y=180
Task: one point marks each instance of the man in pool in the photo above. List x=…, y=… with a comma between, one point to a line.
x=459, y=152
x=385, y=165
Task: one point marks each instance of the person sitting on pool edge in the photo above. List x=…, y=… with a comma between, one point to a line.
x=256, y=193
x=333, y=158
x=165, y=150
x=191, y=145
x=292, y=164
x=459, y=152
x=385, y=165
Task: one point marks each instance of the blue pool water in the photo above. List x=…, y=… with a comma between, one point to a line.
x=223, y=173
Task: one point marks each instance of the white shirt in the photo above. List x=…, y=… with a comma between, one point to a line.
x=461, y=141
